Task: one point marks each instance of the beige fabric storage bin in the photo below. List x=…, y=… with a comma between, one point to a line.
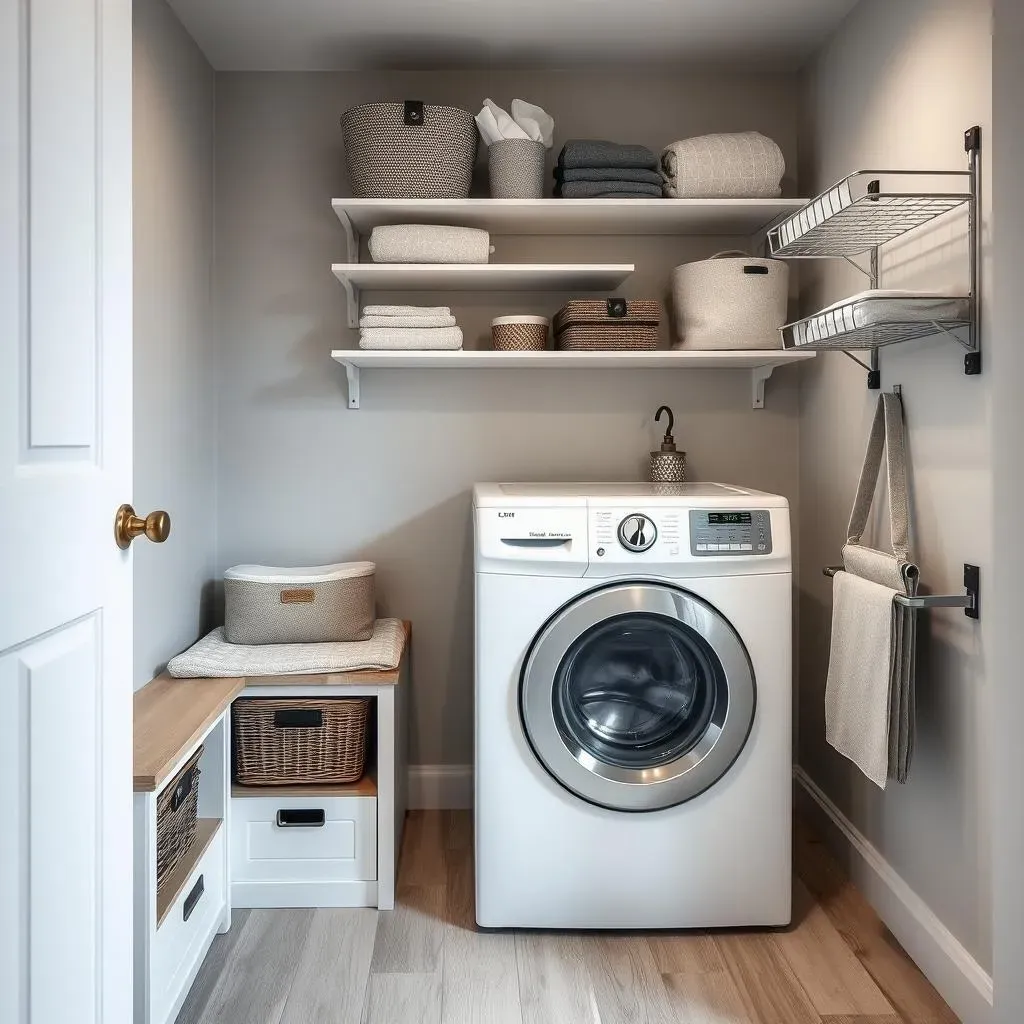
x=731, y=301
x=309, y=605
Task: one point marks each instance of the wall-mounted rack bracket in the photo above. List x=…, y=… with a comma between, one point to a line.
x=968, y=601
x=352, y=294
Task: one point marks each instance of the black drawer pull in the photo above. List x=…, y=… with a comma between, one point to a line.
x=183, y=788
x=192, y=899
x=301, y=818
x=299, y=718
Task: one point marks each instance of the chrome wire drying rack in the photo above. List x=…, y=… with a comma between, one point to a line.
x=853, y=219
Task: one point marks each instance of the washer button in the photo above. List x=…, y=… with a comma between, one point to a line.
x=746, y=547
x=701, y=547
x=735, y=547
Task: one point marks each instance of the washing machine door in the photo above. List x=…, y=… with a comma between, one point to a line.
x=637, y=696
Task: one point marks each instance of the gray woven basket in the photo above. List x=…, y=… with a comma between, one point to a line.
x=516, y=169
x=409, y=150
x=292, y=742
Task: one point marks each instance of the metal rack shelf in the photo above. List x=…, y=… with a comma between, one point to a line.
x=856, y=216
x=968, y=601
x=842, y=328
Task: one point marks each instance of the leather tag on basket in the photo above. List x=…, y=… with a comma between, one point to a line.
x=304, y=596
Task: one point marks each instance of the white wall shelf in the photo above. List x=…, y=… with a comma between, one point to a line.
x=760, y=363
x=640, y=217
x=490, y=277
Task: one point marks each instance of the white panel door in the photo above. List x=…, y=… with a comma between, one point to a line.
x=65, y=466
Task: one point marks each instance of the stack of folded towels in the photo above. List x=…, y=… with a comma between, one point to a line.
x=592, y=168
x=409, y=327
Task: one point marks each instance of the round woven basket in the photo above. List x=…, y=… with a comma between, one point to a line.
x=516, y=168
x=409, y=150
x=520, y=333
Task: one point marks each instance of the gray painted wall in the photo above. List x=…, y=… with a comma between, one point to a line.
x=896, y=87
x=1005, y=357
x=303, y=479
x=175, y=410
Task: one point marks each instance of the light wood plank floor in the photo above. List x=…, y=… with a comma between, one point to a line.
x=425, y=962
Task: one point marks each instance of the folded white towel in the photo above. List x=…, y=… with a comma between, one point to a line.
x=428, y=243
x=408, y=321
x=411, y=338
x=406, y=311
x=214, y=658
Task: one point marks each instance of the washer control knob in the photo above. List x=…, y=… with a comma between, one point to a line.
x=637, y=533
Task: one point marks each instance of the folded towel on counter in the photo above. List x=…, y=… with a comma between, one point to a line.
x=408, y=321
x=599, y=153
x=738, y=165
x=411, y=338
x=406, y=311
x=214, y=658
x=590, y=189
x=608, y=174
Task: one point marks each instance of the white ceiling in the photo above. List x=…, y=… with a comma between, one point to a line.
x=315, y=35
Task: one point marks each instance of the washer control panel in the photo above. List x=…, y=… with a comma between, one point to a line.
x=637, y=532
x=729, y=532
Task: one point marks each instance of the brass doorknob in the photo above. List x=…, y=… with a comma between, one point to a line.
x=127, y=526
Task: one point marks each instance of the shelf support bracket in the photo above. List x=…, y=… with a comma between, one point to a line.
x=351, y=237
x=352, y=293
x=758, y=375
x=352, y=374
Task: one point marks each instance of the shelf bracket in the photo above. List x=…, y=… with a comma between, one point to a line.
x=351, y=237
x=352, y=374
x=758, y=375
x=352, y=293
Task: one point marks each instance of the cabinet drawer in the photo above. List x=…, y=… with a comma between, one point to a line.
x=308, y=839
x=186, y=932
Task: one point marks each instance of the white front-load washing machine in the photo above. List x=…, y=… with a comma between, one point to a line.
x=633, y=720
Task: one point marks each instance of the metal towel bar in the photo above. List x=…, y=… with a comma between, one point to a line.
x=968, y=601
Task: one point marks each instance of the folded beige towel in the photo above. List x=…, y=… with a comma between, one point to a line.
x=862, y=659
x=213, y=657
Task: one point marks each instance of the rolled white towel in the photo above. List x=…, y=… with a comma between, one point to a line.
x=406, y=311
x=411, y=338
x=408, y=321
x=733, y=165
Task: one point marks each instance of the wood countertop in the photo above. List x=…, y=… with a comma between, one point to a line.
x=172, y=714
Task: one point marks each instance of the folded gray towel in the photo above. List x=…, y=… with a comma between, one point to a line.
x=608, y=174
x=589, y=189
x=599, y=153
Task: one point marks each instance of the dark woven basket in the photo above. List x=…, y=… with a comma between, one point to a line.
x=291, y=742
x=594, y=325
x=177, y=810
x=409, y=150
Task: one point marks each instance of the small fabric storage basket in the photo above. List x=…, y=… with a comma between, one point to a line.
x=409, y=150
x=516, y=169
x=292, y=742
x=590, y=325
x=177, y=810
x=520, y=333
x=731, y=301
x=315, y=604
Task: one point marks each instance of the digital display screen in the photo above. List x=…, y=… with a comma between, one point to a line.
x=728, y=518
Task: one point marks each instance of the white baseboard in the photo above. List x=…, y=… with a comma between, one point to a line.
x=957, y=976
x=435, y=787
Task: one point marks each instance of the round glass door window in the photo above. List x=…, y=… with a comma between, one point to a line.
x=637, y=696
